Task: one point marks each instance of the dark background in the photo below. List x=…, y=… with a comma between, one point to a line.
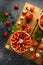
x=6, y=56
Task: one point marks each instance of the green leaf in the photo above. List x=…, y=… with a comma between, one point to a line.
x=37, y=34
x=3, y=18
x=14, y=29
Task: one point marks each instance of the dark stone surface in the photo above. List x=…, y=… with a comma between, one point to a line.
x=6, y=56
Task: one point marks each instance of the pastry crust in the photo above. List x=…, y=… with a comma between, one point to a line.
x=24, y=41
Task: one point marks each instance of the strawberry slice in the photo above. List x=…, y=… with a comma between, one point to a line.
x=28, y=29
x=27, y=41
x=26, y=47
x=32, y=8
x=28, y=44
x=34, y=56
x=17, y=34
x=29, y=17
x=17, y=47
x=27, y=37
x=24, y=25
x=34, y=43
x=41, y=20
x=12, y=39
x=41, y=46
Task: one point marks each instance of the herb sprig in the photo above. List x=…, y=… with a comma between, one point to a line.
x=3, y=18
x=14, y=29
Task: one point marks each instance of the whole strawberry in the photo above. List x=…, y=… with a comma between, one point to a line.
x=8, y=23
x=16, y=7
x=6, y=14
x=5, y=33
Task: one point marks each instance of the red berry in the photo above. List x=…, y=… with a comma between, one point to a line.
x=5, y=33
x=6, y=14
x=32, y=8
x=16, y=7
x=8, y=23
x=28, y=29
x=41, y=20
x=29, y=17
x=34, y=43
x=34, y=56
x=41, y=46
x=24, y=24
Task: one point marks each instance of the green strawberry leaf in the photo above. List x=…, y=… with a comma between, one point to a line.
x=3, y=18
x=14, y=29
x=38, y=34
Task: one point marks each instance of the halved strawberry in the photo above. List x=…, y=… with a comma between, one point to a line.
x=29, y=17
x=17, y=47
x=27, y=41
x=32, y=8
x=28, y=29
x=26, y=37
x=41, y=46
x=24, y=25
x=17, y=34
x=41, y=20
x=28, y=44
x=34, y=56
x=26, y=47
x=34, y=43
x=12, y=39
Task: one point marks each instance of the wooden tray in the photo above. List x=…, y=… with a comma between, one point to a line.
x=32, y=24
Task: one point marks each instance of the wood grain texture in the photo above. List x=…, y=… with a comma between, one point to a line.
x=32, y=25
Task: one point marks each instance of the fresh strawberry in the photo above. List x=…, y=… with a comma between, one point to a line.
x=29, y=17
x=40, y=46
x=41, y=20
x=16, y=7
x=34, y=56
x=28, y=29
x=17, y=47
x=8, y=23
x=34, y=43
x=6, y=14
x=24, y=25
x=5, y=33
x=32, y=8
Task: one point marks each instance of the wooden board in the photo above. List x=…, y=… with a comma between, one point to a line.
x=32, y=24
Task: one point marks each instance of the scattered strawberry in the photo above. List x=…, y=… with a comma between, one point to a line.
x=24, y=25
x=5, y=33
x=41, y=20
x=34, y=43
x=6, y=14
x=8, y=23
x=40, y=46
x=16, y=7
x=28, y=29
x=32, y=8
x=29, y=17
x=34, y=56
